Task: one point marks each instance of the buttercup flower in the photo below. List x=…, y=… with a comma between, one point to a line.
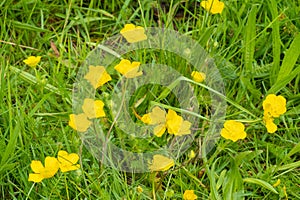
x=161, y=163
x=133, y=33
x=156, y=117
x=32, y=61
x=41, y=172
x=198, y=76
x=97, y=76
x=92, y=108
x=67, y=162
x=274, y=105
x=270, y=125
x=213, y=6
x=176, y=125
x=79, y=122
x=233, y=130
x=128, y=69
x=189, y=195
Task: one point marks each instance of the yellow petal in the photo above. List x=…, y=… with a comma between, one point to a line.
x=189, y=195
x=158, y=115
x=79, y=122
x=213, y=6
x=32, y=61
x=37, y=166
x=271, y=127
x=184, y=128
x=146, y=119
x=35, y=178
x=277, y=183
x=97, y=76
x=67, y=162
x=51, y=167
x=274, y=105
x=133, y=33
x=161, y=163
x=92, y=108
x=233, y=130
x=198, y=76
x=174, y=122
x=128, y=69
x=159, y=130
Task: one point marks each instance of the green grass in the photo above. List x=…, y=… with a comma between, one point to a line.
x=254, y=44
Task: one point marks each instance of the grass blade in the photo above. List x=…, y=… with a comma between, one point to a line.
x=261, y=183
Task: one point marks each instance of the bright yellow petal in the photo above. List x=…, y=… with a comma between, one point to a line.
x=213, y=6
x=161, y=163
x=274, y=105
x=233, y=130
x=51, y=167
x=128, y=69
x=146, y=119
x=133, y=33
x=198, y=76
x=92, y=108
x=97, y=76
x=159, y=130
x=79, y=122
x=189, y=195
x=36, y=166
x=174, y=122
x=35, y=178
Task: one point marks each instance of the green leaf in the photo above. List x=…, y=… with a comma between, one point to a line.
x=276, y=42
x=246, y=82
x=289, y=166
x=284, y=81
x=261, y=183
x=294, y=150
x=246, y=156
x=250, y=40
x=290, y=59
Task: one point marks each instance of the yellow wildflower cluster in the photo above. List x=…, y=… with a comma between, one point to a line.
x=166, y=121
x=273, y=106
x=64, y=161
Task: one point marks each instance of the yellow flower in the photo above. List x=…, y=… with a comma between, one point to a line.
x=156, y=117
x=161, y=163
x=233, y=130
x=213, y=6
x=67, y=162
x=32, y=61
x=139, y=189
x=176, y=125
x=198, y=76
x=79, y=122
x=92, y=108
x=133, y=33
x=41, y=172
x=274, y=105
x=192, y=154
x=189, y=195
x=271, y=126
x=97, y=76
x=128, y=69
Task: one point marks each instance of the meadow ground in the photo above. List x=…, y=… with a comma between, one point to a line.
x=255, y=47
